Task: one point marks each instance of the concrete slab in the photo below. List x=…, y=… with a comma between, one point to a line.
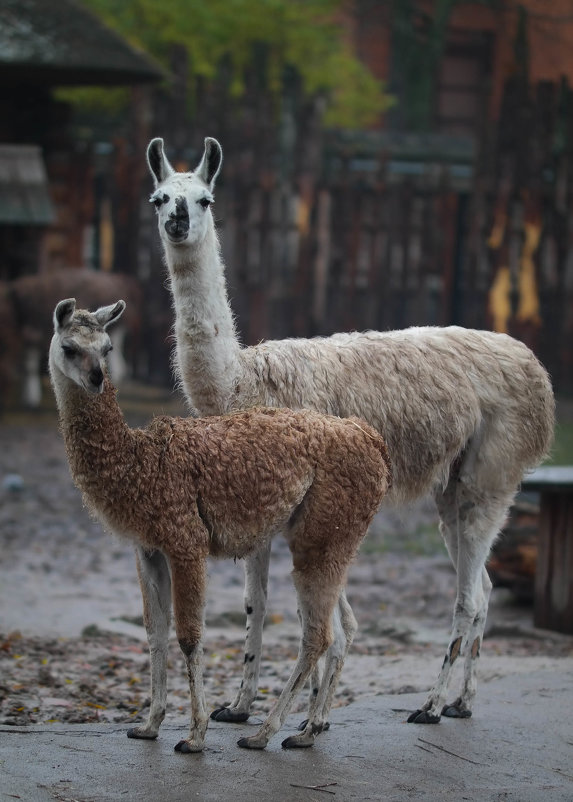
x=518, y=747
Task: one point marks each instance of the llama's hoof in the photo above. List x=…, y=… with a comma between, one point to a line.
x=302, y=741
x=456, y=710
x=254, y=742
x=140, y=732
x=186, y=748
x=229, y=715
x=323, y=727
x=423, y=717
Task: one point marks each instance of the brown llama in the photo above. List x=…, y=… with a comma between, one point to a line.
x=183, y=490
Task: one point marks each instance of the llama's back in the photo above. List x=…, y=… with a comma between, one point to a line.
x=255, y=467
x=428, y=391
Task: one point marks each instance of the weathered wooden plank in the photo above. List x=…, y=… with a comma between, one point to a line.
x=550, y=478
x=553, y=606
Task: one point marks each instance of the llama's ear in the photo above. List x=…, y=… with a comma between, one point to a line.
x=63, y=313
x=210, y=164
x=106, y=315
x=158, y=162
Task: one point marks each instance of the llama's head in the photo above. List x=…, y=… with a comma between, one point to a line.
x=182, y=200
x=81, y=343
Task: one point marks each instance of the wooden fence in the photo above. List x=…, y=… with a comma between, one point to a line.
x=372, y=236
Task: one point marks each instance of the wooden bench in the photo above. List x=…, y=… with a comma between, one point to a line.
x=553, y=598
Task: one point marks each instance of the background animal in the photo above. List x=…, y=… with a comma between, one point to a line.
x=10, y=344
x=31, y=300
x=186, y=489
x=465, y=413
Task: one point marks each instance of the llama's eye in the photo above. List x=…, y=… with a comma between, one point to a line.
x=107, y=350
x=158, y=199
x=205, y=202
x=69, y=351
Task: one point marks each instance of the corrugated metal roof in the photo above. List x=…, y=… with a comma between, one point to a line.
x=58, y=42
x=24, y=196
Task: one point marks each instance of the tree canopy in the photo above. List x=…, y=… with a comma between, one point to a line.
x=306, y=35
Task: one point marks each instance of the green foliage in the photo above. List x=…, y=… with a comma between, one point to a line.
x=562, y=452
x=419, y=38
x=419, y=41
x=299, y=34
x=110, y=101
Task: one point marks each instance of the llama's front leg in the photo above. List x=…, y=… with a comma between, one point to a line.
x=256, y=581
x=155, y=583
x=199, y=716
x=189, y=583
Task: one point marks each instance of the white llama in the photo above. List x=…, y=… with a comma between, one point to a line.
x=185, y=489
x=464, y=413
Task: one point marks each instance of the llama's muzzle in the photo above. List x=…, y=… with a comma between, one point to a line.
x=94, y=383
x=177, y=226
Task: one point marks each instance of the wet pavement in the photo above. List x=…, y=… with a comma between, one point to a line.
x=518, y=746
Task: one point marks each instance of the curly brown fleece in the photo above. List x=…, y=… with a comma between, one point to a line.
x=224, y=485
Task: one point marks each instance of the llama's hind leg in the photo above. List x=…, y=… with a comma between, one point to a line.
x=462, y=706
x=344, y=627
x=315, y=674
x=314, y=687
x=316, y=614
x=155, y=583
x=256, y=581
x=470, y=524
x=494, y=517
x=314, y=684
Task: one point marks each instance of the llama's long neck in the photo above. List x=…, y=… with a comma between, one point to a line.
x=96, y=436
x=207, y=350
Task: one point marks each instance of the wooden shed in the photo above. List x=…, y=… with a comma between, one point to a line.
x=46, y=182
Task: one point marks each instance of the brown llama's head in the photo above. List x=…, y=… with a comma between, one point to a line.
x=80, y=343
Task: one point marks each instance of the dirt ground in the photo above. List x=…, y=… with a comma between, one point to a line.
x=72, y=645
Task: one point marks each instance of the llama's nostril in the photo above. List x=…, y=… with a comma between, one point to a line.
x=177, y=226
x=96, y=376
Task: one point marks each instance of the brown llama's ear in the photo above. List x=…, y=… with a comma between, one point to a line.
x=63, y=313
x=210, y=164
x=158, y=162
x=106, y=315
